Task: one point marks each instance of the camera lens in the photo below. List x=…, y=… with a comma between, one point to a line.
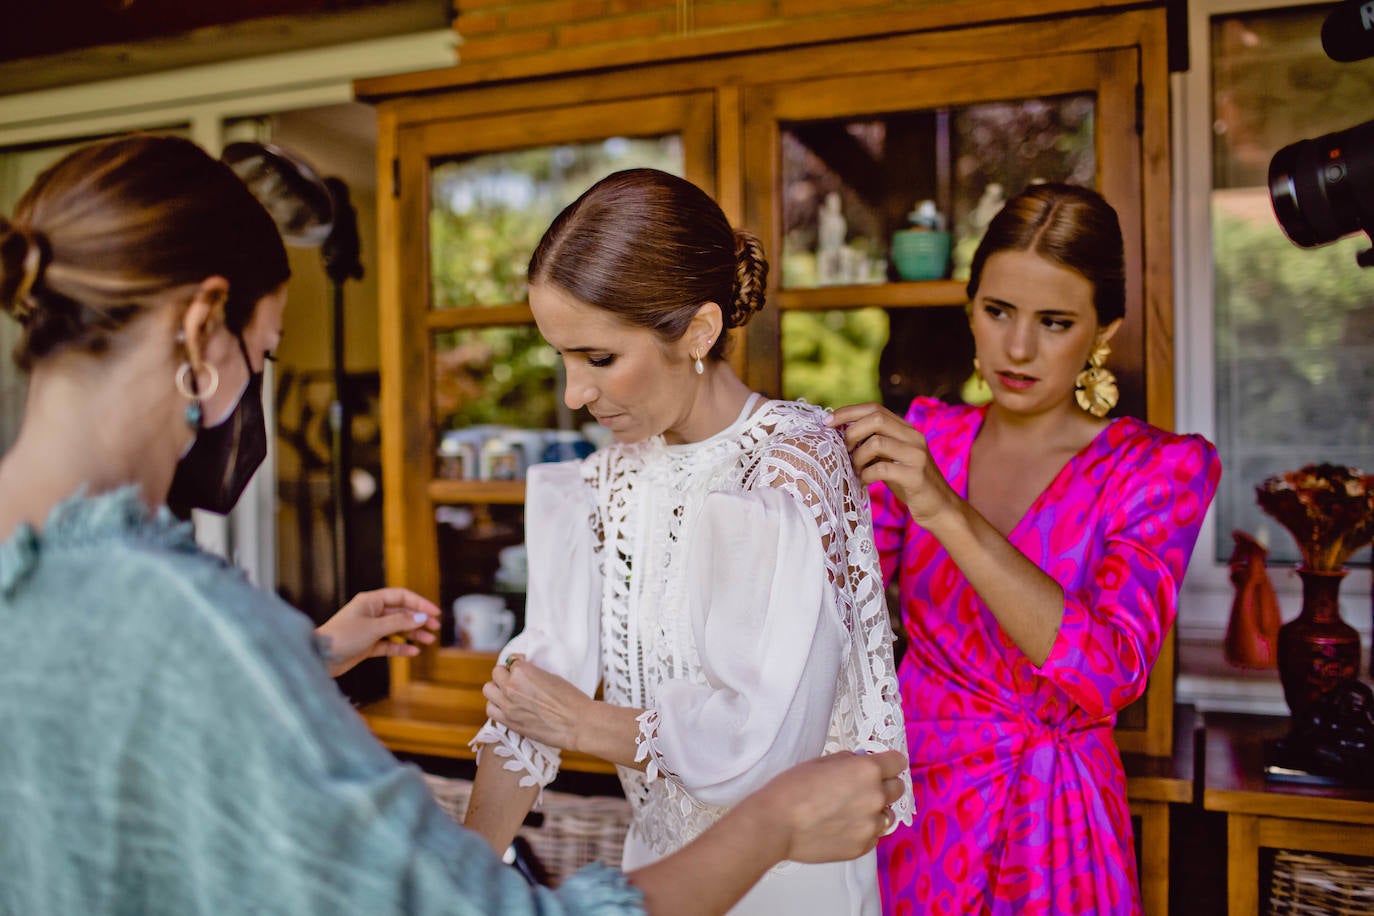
x=1323, y=189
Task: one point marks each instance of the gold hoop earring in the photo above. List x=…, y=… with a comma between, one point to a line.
x=1096, y=386
x=185, y=382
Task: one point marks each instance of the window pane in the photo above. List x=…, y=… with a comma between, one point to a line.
x=831, y=358
x=849, y=184
x=480, y=552
x=1294, y=328
x=845, y=356
x=487, y=212
x=498, y=405
x=505, y=375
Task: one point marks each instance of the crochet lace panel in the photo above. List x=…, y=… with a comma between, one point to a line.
x=647, y=495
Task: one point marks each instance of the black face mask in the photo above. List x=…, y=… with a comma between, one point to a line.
x=214, y=473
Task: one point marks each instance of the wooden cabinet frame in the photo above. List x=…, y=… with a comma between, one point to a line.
x=726, y=107
x=1109, y=75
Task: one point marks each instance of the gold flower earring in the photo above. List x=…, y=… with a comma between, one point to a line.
x=1096, y=386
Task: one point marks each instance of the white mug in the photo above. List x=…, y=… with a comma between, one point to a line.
x=485, y=621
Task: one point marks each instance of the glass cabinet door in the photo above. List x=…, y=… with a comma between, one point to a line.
x=474, y=393
x=871, y=193
x=884, y=186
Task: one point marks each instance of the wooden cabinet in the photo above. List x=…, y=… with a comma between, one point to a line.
x=882, y=120
x=1269, y=815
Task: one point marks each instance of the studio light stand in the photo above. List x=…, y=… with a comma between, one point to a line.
x=312, y=212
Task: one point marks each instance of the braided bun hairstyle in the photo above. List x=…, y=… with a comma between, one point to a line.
x=115, y=223
x=751, y=276
x=653, y=248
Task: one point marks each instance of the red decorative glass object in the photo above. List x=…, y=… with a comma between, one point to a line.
x=1318, y=649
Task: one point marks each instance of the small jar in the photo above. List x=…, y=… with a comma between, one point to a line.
x=500, y=459
x=455, y=458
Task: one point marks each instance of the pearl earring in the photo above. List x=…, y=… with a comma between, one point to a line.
x=698, y=365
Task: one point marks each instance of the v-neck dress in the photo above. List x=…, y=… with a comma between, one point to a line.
x=1019, y=789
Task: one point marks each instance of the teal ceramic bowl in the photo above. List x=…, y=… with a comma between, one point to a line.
x=920, y=254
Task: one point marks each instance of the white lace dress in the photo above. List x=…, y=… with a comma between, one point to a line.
x=730, y=588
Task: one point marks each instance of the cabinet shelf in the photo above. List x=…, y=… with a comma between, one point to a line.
x=510, y=492
x=879, y=295
x=478, y=316
x=440, y=720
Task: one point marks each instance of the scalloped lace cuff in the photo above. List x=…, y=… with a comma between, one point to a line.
x=646, y=748
x=538, y=761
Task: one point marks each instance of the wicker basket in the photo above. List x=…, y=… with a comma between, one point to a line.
x=577, y=829
x=1310, y=885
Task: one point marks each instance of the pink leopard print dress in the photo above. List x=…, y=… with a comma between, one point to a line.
x=1020, y=794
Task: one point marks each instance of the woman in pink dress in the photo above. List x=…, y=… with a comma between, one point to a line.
x=1038, y=548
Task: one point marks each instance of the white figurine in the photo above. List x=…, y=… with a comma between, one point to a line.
x=988, y=206
x=831, y=266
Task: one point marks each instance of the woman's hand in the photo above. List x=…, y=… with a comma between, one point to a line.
x=536, y=703
x=1028, y=604
x=375, y=624
x=885, y=447
x=825, y=810
x=837, y=806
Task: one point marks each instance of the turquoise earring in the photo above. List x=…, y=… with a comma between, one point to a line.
x=186, y=386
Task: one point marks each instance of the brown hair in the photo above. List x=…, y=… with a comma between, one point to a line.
x=653, y=248
x=116, y=222
x=1072, y=226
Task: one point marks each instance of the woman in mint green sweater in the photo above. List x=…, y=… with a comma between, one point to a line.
x=170, y=739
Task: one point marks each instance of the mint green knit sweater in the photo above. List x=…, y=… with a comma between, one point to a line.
x=171, y=743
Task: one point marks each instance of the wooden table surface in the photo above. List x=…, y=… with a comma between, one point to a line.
x=1233, y=777
x=1166, y=779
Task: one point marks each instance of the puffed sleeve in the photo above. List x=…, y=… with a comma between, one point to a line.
x=562, y=619
x=770, y=648
x=890, y=514
x=890, y=518
x=1114, y=624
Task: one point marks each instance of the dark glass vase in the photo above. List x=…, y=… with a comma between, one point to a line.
x=1318, y=649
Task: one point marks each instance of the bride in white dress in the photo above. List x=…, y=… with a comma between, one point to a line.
x=713, y=570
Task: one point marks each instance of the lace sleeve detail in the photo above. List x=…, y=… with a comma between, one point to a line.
x=538, y=761
x=809, y=461
x=646, y=748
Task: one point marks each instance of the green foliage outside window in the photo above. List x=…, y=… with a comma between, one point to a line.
x=1295, y=360
x=487, y=214
x=831, y=358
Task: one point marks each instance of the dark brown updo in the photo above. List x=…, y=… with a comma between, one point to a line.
x=653, y=248
x=1071, y=226
x=113, y=224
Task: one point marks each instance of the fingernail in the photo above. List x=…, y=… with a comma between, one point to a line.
x=421, y=617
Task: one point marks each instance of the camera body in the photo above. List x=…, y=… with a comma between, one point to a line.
x=1322, y=189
